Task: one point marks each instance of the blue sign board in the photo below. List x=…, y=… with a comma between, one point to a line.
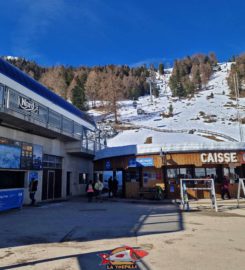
x=11, y=198
x=141, y=162
x=108, y=165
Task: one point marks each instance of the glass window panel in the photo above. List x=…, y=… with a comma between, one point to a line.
x=172, y=173
x=54, y=119
x=200, y=173
x=1, y=94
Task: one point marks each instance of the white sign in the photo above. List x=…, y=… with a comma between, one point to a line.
x=28, y=105
x=219, y=157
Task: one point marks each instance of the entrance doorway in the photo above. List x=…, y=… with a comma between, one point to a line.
x=68, y=183
x=51, y=184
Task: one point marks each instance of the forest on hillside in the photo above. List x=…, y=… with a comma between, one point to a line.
x=191, y=74
x=110, y=84
x=237, y=75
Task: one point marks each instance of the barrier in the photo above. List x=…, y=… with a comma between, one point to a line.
x=11, y=198
x=241, y=185
x=184, y=195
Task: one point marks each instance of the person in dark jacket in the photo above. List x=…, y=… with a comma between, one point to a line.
x=114, y=187
x=110, y=187
x=33, y=189
x=225, y=188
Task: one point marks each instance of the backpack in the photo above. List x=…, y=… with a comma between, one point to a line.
x=90, y=188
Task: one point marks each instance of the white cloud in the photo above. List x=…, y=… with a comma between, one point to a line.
x=149, y=61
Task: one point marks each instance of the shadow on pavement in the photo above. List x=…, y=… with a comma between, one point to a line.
x=87, y=261
x=80, y=221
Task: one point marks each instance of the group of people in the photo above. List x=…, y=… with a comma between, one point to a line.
x=95, y=189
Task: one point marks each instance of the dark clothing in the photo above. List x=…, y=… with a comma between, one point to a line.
x=114, y=187
x=32, y=190
x=225, y=189
x=110, y=187
x=32, y=197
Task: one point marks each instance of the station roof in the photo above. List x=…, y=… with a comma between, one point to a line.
x=146, y=149
x=20, y=77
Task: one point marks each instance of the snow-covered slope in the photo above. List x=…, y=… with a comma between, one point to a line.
x=203, y=115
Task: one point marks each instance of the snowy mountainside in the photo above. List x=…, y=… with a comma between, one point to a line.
x=209, y=116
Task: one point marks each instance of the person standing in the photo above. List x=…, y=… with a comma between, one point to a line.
x=225, y=188
x=114, y=187
x=33, y=189
x=90, y=191
x=110, y=187
x=98, y=189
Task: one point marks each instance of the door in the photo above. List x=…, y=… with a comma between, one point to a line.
x=68, y=183
x=51, y=184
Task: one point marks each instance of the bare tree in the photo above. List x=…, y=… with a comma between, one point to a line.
x=112, y=90
x=92, y=86
x=206, y=72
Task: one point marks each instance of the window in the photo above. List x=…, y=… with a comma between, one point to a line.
x=83, y=178
x=1, y=94
x=54, y=119
x=52, y=162
x=132, y=176
x=200, y=173
x=172, y=173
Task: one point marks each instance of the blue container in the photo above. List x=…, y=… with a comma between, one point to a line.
x=11, y=198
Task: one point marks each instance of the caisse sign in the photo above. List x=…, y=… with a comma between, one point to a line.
x=222, y=157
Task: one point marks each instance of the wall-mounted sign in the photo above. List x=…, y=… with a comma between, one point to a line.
x=28, y=105
x=107, y=164
x=230, y=157
x=141, y=162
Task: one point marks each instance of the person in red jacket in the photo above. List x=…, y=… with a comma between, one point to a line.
x=90, y=191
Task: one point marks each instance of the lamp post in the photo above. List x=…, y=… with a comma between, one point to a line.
x=235, y=79
x=163, y=156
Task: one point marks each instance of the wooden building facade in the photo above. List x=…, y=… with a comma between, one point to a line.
x=147, y=167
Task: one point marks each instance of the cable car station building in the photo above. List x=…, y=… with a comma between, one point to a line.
x=143, y=166
x=42, y=136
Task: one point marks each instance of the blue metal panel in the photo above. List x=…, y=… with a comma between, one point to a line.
x=20, y=77
x=11, y=198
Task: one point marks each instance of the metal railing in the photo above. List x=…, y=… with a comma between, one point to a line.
x=9, y=100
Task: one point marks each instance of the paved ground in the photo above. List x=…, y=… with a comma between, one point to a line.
x=70, y=235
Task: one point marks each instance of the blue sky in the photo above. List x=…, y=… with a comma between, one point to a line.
x=99, y=32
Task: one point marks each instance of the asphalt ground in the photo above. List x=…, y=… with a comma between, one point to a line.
x=71, y=235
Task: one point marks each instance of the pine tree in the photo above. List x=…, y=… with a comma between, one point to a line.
x=78, y=93
x=161, y=69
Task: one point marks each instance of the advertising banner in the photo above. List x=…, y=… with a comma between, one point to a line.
x=11, y=198
x=141, y=162
x=9, y=156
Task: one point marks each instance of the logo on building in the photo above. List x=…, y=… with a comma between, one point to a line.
x=28, y=105
x=122, y=258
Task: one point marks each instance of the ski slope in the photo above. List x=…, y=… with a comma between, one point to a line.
x=191, y=115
